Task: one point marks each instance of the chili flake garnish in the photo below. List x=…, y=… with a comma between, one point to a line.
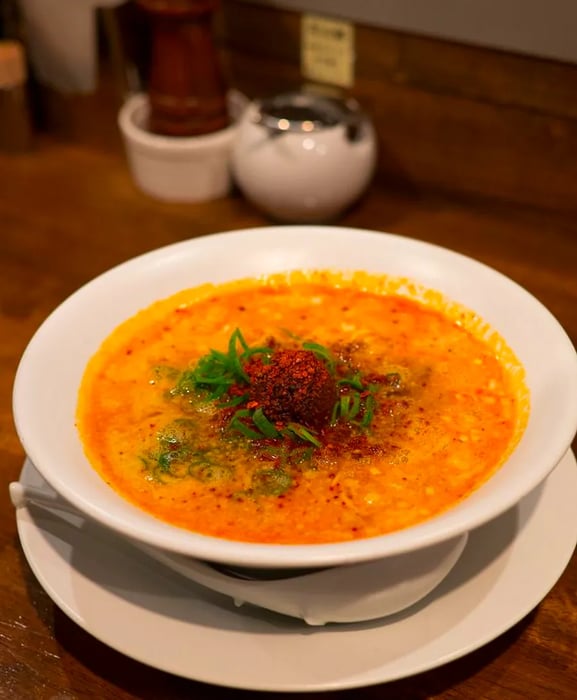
x=272, y=392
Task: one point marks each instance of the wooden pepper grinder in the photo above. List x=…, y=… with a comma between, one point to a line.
x=15, y=119
x=186, y=88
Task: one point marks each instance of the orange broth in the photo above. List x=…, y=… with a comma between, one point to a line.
x=458, y=410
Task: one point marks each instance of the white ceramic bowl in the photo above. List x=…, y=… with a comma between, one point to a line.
x=47, y=381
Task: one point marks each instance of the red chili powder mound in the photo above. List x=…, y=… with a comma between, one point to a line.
x=294, y=386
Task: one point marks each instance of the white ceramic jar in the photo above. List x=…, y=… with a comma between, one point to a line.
x=303, y=158
x=175, y=168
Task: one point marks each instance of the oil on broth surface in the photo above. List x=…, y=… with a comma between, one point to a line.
x=448, y=403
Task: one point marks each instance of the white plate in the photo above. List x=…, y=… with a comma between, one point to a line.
x=129, y=602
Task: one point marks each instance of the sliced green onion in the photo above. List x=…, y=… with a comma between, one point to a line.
x=219, y=392
x=236, y=423
x=233, y=358
x=207, y=379
x=322, y=353
x=355, y=382
x=335, y=414
x=264, y=425
x=301, y=432
x=244, y=429
x=259, y=350
x=231, y=403
x=240, y=338
x=344, y=406
x=356, y=405
x=370, y=404
x=218, y=356
x=243, y=413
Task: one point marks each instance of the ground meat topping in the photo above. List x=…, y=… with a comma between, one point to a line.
x=295, y=385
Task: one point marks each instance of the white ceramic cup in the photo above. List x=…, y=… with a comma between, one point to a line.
x=177, y=169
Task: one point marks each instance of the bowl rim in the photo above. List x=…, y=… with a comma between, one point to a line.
x=133, y=524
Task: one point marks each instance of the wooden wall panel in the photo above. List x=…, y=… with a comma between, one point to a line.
x=468, y=120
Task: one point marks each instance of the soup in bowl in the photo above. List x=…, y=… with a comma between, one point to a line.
x=297, y=397
x=305, y=408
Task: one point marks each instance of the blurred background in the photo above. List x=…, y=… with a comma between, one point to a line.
x=475, y=98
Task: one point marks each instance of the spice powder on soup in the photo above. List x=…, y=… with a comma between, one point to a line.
x=301, y=408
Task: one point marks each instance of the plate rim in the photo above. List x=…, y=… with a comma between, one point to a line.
x=565, y=471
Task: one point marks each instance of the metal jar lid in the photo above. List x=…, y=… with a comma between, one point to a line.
x=306, y=113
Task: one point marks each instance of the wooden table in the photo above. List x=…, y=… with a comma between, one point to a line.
x=68, y=213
